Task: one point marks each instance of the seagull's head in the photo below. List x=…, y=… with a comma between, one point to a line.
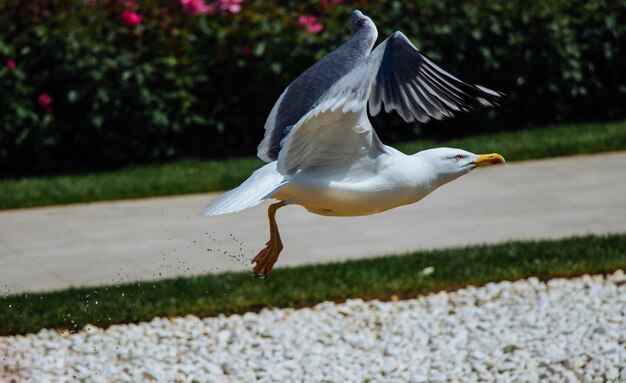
x=451, y=163
x=360, y=21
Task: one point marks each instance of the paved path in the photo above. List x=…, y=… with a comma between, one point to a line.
x=106, y=243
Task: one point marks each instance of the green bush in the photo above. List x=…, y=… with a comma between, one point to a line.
x=179, y=85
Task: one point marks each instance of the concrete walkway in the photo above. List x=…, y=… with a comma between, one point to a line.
x=112, y=242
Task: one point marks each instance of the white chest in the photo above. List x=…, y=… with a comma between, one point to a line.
x=350, y=199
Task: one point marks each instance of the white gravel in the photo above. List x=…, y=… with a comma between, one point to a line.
x=525, y=331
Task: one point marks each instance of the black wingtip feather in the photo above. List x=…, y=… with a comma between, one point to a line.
x=414, y=86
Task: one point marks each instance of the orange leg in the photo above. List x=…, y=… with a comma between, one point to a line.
x=267, y=257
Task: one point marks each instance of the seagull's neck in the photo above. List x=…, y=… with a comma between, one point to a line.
x=426, y=173
x=412, y=176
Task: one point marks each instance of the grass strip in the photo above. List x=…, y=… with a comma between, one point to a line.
x=535, y=143
x=228, y=293
x=179, y=177
x=197, y=176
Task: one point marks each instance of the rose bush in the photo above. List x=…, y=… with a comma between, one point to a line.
x=178, y=78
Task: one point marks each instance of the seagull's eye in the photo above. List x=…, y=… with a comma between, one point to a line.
x=360, y=22
x=458, y=157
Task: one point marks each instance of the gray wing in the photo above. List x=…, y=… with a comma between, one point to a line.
x=408, y=82
x=330, y=138
x=305, y=91
x=336, y=131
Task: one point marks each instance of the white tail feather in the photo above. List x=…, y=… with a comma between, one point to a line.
x=261, y=185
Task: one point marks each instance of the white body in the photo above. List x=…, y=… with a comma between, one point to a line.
x=368, y=186
x=330, y=161
x=392, y=179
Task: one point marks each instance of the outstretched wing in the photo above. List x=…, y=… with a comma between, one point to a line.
x=305, y=91
x=395, y=75
x=329, y=137
x=411, y=84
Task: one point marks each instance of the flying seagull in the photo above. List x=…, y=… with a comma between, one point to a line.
x=323, y=152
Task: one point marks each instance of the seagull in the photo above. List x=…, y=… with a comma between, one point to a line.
x=322, y=152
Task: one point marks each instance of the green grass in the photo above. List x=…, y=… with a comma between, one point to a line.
x=551, y=141
x=181, y=177
x=195, y=176
x=300, y=286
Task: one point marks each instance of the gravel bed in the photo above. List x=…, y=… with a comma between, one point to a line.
x=564, y=330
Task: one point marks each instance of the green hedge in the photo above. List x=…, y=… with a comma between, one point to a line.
x=202, y=85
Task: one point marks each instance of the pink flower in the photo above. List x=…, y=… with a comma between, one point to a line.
x=45, y=100
x=310, y=24
x=131, y=18
x=232, y=6
x=11, y=64
x=195, y=7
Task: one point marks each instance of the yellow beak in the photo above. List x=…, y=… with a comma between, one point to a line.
x=488, y=159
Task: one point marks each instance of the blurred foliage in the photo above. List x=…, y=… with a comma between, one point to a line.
x=180, y=85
